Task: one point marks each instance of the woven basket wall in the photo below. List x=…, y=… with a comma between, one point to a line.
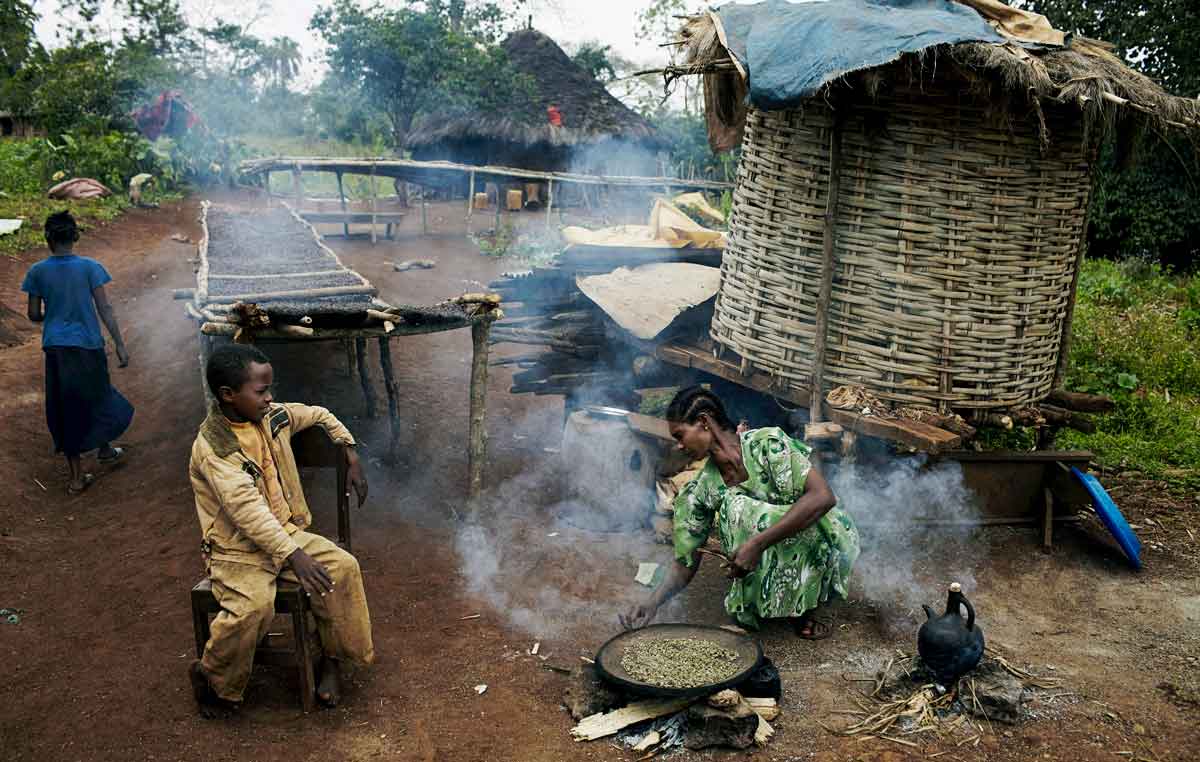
x=956, y=242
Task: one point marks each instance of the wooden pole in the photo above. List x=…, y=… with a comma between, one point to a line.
x=477, y=444
x=1064, y=340
x=342, y=196
x=360, y=349
x=470, y=200
x=424, y=220
x=374, y=205
x=389, y=383
x=298, y=187
x=206, y=345
x=549, y=201
x=348, y=345
x=825, y=293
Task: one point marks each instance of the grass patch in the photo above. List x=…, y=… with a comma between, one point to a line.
x=35, y=209
x=1136, y=338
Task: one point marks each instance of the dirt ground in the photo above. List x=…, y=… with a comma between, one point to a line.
x=95, y=670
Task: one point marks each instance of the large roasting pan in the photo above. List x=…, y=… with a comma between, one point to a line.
x=608, y=659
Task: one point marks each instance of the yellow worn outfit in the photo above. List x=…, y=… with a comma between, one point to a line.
x=252, y=517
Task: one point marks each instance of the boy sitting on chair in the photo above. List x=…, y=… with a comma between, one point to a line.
x=252, y=517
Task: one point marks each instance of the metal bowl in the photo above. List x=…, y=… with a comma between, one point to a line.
x=603, y=411
x=608, y=658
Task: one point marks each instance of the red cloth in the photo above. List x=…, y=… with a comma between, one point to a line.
x=168, y=114
x=554, y=115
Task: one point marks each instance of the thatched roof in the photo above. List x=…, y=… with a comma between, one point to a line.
x=1085, y=75
x=589, y=112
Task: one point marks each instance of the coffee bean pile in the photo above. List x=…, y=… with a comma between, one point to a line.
x=679, y=662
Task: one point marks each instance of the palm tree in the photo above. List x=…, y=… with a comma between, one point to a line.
x=281, y=60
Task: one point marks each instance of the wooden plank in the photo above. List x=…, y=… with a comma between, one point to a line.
x=693, y=357
x=650, y=426
x=354, y=218
x=1070, y=457
x=606, y=724
x=913, y=433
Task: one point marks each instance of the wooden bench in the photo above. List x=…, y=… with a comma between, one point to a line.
x=313, y=449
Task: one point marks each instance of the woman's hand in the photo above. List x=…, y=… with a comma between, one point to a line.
x=747, y=558
x=639, y=615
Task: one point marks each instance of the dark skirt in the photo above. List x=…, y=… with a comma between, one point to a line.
x=83, y=410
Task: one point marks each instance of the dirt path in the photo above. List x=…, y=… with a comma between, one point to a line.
x=96, y=668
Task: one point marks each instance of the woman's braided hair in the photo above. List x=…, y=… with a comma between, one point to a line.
x=61, y=229
x=689, y=403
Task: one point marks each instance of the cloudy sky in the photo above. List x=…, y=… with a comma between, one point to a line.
x=567, y=21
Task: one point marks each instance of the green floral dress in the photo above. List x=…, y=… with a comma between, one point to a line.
x=794, y=575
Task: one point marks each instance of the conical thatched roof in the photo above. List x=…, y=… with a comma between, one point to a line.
x=589, y=112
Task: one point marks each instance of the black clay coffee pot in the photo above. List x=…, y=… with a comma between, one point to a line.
x=949, y=646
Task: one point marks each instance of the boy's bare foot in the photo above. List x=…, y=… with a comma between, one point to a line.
x=329, y=686
x=210, y=705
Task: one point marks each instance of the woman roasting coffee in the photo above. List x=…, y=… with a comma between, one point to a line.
x=789, y=548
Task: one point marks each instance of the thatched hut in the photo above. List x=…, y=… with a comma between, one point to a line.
x=913, y=225
x=598, y=134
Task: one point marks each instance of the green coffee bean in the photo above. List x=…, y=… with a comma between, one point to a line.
x=679, y=662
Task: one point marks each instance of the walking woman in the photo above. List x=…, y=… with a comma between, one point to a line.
x=790, y=548
x=66, y=294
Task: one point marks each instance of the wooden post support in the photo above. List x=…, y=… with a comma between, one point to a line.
x=360, y=349
x=206, y=346
x=470, y=200
x=549, y=201
x=374, y=205
x=1048, y=520
x=825, y=293
x=342, y=196
x=1064, y=340
x=477, y=439
x=298, y=188
x=498, y=203
x=424, y=219
x=389, y=383
x=267, y=186
x=348, y=345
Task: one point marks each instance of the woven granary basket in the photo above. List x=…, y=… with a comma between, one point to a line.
x=956, y=237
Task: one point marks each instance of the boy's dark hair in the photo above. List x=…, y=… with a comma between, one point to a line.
x=61, y=229
x=689, y=403
x=229, y=365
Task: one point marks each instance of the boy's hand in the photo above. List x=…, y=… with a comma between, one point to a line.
x=313, y=577
x=355, y=474
x=122, y=356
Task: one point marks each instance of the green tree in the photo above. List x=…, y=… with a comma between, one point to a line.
x=281, y=61
x=596, y=59
x=418, y=60
x=1152, y=209
x=17, y=39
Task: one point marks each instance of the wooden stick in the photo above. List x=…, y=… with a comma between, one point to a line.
x=1081, y=402
x=825, y=292
x=470, y=200
x=549, y=201
x=300, y=293
x=342, y=196
x=477, y=438
x=374, y=205
x=1064, y=341
x=600, y=725
x=348, y=345
x=364, y=380
x=424, y=221
x=298, y=186
x=389, y=383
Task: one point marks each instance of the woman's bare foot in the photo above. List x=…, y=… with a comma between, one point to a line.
x=808, y=627
x=329, y=687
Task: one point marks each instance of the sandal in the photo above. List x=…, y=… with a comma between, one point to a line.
x=117, y=454
x=88, y=480
x=819, y=629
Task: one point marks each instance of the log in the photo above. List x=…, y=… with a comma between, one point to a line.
x=1069, y=418
x=709, y=726
x=493, y=299
x=1081, y=402
x=364, y=380
x=294, y=331
x=952, y=423
x=607, y=724
x=218, y=329
x=477, y=435
x=765, y=707
x=389, y=384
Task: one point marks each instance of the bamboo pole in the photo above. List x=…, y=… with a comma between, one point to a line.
x=470, y=201
x=424, y=220
x=389, y=384
x=342, y=196
x=364, y=380
x=374, y=205
x=477, y=438
x=1064, y=339
x=303, y=293
x=298, y=186
x=549, y=201
x=825, y=294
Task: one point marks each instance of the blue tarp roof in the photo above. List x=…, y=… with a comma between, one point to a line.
x=791, y=50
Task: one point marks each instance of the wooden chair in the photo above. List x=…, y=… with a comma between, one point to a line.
x=313, y=449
